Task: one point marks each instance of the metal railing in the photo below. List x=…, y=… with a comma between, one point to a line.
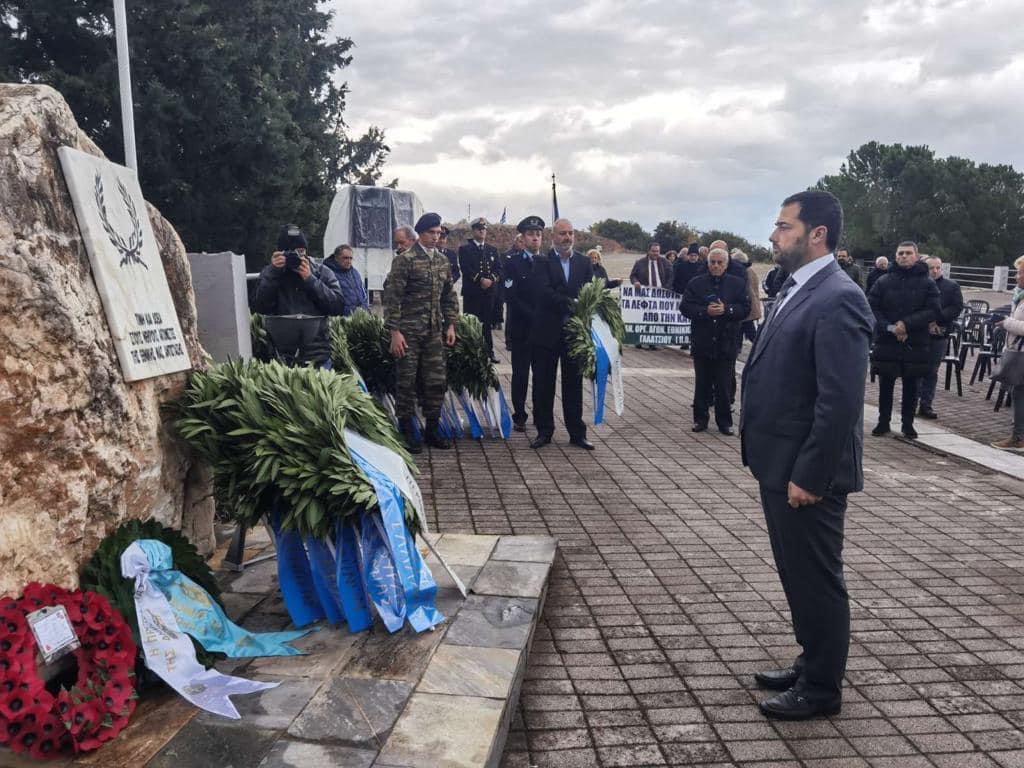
x=983, y=278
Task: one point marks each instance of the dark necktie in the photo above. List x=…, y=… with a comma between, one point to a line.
x=786, y=286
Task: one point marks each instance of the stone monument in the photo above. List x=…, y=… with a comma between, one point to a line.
x=82, y=449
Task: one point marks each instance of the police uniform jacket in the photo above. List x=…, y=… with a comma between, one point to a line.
x=518, y=268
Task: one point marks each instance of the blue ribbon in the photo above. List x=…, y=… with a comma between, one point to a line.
x=505, y=417
x=354, y=601
x=451, y=415
x=294, y=574
x=199, y=615
x=604, y=365
x=379, y=573
x=325, y=579
x=476, y=431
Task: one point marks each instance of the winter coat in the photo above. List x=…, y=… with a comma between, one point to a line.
x=909, y=295
x=351, y=284
x=683, y=272
x=854, y=272
x=754, y=289
x=715, y=338
x=951, y=301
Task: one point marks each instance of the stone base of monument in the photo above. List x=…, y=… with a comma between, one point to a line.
x=440, y=698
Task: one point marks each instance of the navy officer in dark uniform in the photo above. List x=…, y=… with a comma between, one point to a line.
x=517, y=268
x=481, y=270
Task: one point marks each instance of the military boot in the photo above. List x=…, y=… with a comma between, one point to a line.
x=412, y=441
x=434, y=438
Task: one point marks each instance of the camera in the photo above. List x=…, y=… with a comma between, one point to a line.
x=292, y=260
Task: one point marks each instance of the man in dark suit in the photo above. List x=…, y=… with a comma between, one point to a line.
x=517, y=268
x=653, y=270
x=481, y=269
x=716, y=304
x=802, y=436
x=555, y=283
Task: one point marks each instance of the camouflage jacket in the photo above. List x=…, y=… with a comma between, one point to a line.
x=418, y=293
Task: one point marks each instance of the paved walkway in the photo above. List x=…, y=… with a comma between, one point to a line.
x=664, y=598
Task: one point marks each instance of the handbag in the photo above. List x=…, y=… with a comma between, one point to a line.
x=1010, y=371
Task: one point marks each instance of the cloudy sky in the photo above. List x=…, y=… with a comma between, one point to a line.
x=705, y=112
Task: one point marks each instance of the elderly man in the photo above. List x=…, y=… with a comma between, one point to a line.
x=881, y=267
x=403, y=238
x=951, y=304
x=349, y=279
x=555, y=283
x=716, y=303
x=420, y=309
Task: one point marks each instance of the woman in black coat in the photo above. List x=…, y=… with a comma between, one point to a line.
x=599, y=271
x=905, y=300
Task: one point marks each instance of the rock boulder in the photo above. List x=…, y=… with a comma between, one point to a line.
x=82, y=451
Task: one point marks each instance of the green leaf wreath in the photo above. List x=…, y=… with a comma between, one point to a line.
x=593, y=299
x=340, y=357
x=271, y=432
x=103, y=574
x=369, y=345
x=261, y=348
x=469, y=363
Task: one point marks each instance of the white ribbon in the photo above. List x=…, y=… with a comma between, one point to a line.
x=390, y=464
x=611, y=346
x=170, y=653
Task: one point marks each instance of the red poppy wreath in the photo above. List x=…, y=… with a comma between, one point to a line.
x=49, y=720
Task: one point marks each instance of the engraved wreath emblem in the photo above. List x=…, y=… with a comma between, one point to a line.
x=131, y=248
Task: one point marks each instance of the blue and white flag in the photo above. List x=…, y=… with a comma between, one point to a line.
x=609, y=366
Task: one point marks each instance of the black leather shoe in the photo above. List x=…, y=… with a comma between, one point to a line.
x=540, y=441
x=777, y=679
x=909, y=432
x=519, y=427
x=927, y=413
x=727, y=431
x=582, y=442
x=698, y=427
x=790, y=705
x=881, y=429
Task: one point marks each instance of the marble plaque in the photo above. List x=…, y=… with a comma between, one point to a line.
x=126, y=265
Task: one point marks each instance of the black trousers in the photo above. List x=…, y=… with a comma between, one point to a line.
x=715, y=382
x=926, y=384
x=807, y=544
x=520, y=351
x=886, y=387
x=545, y=368
x=482, y=307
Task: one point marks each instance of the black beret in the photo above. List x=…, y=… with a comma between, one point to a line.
x=531, y=222
x=291, y=238
x=693, y=248
x=427, y=221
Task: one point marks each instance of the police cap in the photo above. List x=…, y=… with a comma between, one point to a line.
x=427, y=221
x=531, y=222
x=480, y=223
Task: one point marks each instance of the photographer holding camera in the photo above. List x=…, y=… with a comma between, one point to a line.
x=295, y=284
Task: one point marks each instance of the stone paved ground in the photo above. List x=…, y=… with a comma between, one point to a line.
x=664, y=598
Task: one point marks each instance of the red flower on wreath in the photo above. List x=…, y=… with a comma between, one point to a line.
x=47, y=725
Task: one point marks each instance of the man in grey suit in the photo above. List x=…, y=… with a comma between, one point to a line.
x=802, y=435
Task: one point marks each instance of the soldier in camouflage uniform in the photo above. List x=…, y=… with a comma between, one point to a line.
x=420, y=308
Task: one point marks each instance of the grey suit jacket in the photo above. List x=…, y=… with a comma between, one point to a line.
x=803, y=390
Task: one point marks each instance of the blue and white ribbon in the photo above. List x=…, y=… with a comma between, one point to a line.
x=609, y=366
x=165, y=599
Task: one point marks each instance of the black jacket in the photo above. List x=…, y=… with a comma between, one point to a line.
x=951, y=304
x=283, y=292
x=683, y=272
x=715, y=337
x=517, y=269
x=453, y=260
x=907, y=295
x=774, y=280
x=476, y=264
x=873, y=276
x=600, y=271
x=553, y=297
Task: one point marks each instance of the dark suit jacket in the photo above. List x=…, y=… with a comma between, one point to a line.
x=642, y=272
x=477, y=263
x=802, y=417
x=553, y=296
x=517, y=270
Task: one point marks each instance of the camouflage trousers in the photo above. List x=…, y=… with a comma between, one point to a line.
x=422, y=372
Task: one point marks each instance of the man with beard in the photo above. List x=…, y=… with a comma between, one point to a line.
x=905, y=301
x=951, y=303
x=801, y=429
x=517, y=268
x=555, y=283
x=480, y=271
x=716, y=304
x=850, y=267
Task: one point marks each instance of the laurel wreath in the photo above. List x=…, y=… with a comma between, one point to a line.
x=131, y=249
x=594, y=299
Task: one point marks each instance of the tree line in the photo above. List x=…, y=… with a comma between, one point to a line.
x=673, y=236
x=238, y=109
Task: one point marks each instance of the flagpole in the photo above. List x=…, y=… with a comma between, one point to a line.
x=124, y=79
x=554, y=201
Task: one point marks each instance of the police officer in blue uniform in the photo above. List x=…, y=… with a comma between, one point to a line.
x=517, y=268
